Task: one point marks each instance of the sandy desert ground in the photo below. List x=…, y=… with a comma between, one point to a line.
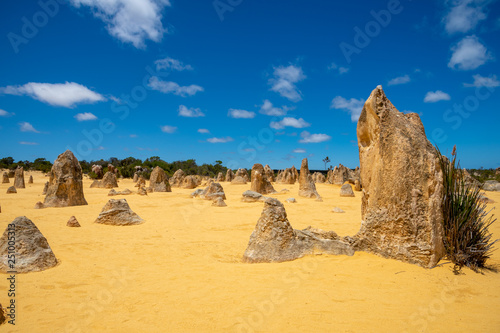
x=181, y=271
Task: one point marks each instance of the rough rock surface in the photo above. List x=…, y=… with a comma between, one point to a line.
x=357, y=185
x=318, y=177
x=109, y=180
x=65, y=184
x=288, y=176
x=220, y=177
x=30, y=180
x=189, y=182
x=33, y=253
x=269, y=173
x=39, y=205
x=118, y=212
x=73, y=222
x=140, y=182
x=346, y=191
x=274, y=239
x=142, y=191
x=5, y=178
x=177, y=178
x=212, y=191
x=229, y=175
x=218, y=202
x=339, y=175
x=19, y=178
x=242, y=173
x=45, y=188
x=136, y=177
x=158, y=181
x=491, y=185
x=402, y=185
x=11, y=190
x=238, y=180
x=252, y=196
x=306, y=184
x=260, y=183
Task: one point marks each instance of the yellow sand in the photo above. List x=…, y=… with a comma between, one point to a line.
x=181, y=271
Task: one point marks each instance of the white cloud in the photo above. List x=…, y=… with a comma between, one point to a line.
x=313, y=138
x=284, y=81
x=133, y=136
x=234, y=113
x=341, y=70
x=289, y=122
x=220, y=140
x=172, y=64
x=464, y=16
x=85, y=116
x=269, y=110
x=168, y=129
x=483, y=81
x=131, y=21
x=469, y=54
x=352, y=106
x=27, y=127
x=203, y=131
x=190, y=112
x=169, y=87
x=436, y=96
x=399, y=80
x=4, y=113
x=57, y=94
x=299, y=151
x=28, y=143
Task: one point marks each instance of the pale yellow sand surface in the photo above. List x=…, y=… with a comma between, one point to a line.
x=181, y=271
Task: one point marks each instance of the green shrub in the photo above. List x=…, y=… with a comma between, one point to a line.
x=467, y=240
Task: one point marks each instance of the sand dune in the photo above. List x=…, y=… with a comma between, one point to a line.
x=181, y=271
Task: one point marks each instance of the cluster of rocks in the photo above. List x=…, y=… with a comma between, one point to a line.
x=214, y=191
x=240, y=177
x=274, y=239
x=341, y=174
x=287, y=176
x=108, y=181
x=113, y=192
x=260, y=181
x=491, y=185
x=318, y=177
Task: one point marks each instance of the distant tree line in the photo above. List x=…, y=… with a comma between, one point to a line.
x=126, y=167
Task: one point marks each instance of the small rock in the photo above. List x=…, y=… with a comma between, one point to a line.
x=337, y=210
x=346, y=191
x=72, y=222
x=218, y=202
x=291, y=200
x=11, y=190
x=39, y=205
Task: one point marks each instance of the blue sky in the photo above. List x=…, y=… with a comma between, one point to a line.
x=243, y=81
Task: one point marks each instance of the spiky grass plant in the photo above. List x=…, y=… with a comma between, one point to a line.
x=467, y=240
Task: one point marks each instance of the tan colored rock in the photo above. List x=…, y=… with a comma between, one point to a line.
x=219, y=202
x=158, y=181
x=11, y=190
x=213, y=191
x=66, y=182
x=140, y=182
x=39, y=205
x=357, y=185
x=136, y=177
x=177, y=178
x=252, y=196
x=73, y=222
x=260, y=183
x=118, y=212
x=238, y=180
x=30, y=180
x=402, y=185
x=109, y=180
x=5, y=179
x=288, y=176
x=346, y=190
x=274, y=239
x=242, y=173
x=318, y=177
x=189, y=182
x=33, y=253
x=220, y=177
x=19, y=178
x=97, y=169
x=45, y=188
x=142, y=191
x=229, y=175
x=269, y=173
x=306, y=184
